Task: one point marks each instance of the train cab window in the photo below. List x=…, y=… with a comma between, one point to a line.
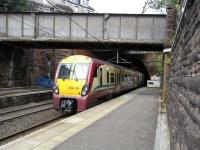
x=65, y=71
x=108, y=77
x=112, y=77
x=80, y=71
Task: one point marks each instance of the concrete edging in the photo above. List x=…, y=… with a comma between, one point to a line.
x=162, y=139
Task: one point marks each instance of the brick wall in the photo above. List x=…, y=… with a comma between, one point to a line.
x=20, y=67
x=45, y=61
x=5, y=57
x=172, y=20
x=184, y=82
x=15, y=67
x=152, y=62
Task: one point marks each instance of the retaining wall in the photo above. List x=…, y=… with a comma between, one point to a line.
x=184, y=82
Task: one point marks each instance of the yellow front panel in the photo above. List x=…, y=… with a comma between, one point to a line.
x=72, y=84
x=70, y=87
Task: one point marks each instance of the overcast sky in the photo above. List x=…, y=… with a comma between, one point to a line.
x=119, y=6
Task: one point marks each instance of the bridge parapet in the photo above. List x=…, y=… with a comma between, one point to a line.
x=83, y=27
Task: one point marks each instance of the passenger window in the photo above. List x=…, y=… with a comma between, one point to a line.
x=117, y=79
x=112, y=78
x=125, y=77
x=108, y=77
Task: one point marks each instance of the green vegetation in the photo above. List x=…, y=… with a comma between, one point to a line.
x=160, y=5
x=14, y=5
x=159, y=63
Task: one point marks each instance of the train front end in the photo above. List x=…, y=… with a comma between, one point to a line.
x=71, y=84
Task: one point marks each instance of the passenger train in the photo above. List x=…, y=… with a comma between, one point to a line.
x=81, y=80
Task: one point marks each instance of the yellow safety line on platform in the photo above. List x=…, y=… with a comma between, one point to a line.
x=53, y=135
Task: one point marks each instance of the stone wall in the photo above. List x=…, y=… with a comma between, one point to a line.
x=184, y=82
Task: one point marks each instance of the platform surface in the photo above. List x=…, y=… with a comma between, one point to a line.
x=130, y=127
x=15, y=91
x=127, y=122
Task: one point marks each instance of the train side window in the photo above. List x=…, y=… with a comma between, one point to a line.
x=119, y=78
x=125, y=77
x=108, y=77
x=112, y=77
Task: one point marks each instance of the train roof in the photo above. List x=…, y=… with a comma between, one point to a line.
x=87, y=59
x=76, y=59
x=118, y=66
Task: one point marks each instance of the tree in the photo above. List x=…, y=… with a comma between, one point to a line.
x=159, y=64
x=14, y=5
x=159, y=5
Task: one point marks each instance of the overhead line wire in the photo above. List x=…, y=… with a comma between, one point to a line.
x=78, y=25
x=62, y=36
x=69, y=19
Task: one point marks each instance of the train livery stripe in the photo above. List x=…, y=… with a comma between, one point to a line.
x=102, y=87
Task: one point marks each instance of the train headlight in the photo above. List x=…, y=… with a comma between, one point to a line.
x=55, y=89
x=85, y=90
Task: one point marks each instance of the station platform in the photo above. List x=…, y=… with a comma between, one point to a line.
x=10, y=97
x=15, y=91
x=127, y=122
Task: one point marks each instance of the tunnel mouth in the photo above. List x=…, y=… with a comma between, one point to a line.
x=133, y=62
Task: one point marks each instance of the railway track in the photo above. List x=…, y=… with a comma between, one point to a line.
x=23, y=111
x=15, y=120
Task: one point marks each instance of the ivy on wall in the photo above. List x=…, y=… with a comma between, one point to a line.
x=14, y=5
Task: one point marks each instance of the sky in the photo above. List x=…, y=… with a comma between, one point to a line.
x=119, y=6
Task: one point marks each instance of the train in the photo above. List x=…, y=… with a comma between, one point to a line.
x=81, y=80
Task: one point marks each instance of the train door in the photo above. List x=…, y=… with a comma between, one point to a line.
x=117, y=81
x=100, y=81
